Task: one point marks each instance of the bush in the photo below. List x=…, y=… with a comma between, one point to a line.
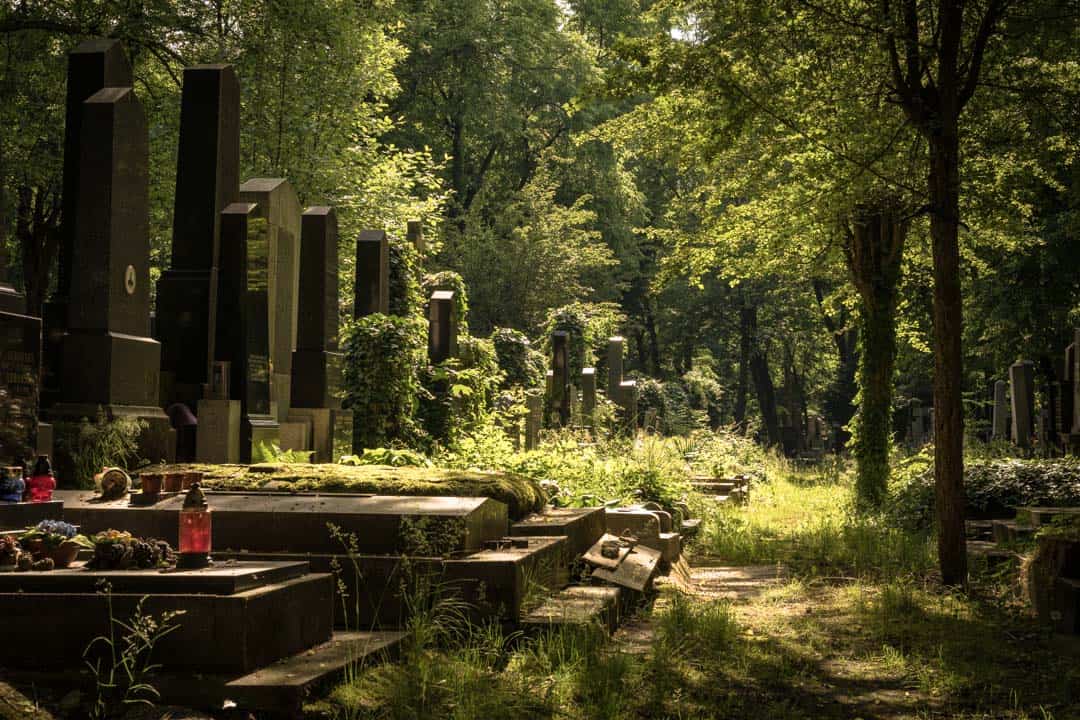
x=382, y=387
x=84, y=448
x=521, y=365
x=993, y=487
x=704, y=393
x=405, y=300
x=589, y=326
x=460, y=390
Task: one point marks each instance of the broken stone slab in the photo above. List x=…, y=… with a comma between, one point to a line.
x=582, y=527
x=635, y=572
x=577, y=605
x=608, y=552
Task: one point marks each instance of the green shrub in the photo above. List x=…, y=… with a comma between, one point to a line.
x=382, y=387
x=992, y=487
x=521, y=365
x=82, y=449
x=589, y=326
x=704, y=393
x=461, y=390
x=405, y=300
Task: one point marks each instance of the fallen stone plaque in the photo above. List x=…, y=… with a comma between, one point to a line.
x=636, y=572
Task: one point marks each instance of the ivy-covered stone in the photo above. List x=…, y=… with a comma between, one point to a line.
x=521, y=364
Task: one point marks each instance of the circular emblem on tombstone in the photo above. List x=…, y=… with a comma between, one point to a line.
x=129, y=279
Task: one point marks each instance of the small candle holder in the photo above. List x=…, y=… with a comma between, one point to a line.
x=195, y=530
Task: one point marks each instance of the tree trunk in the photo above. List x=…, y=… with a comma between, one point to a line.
x=874, y=249
x=944, y=181
x=759, y=371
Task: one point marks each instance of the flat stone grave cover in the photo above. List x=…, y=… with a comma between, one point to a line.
x=223, y=578
x=19, y=516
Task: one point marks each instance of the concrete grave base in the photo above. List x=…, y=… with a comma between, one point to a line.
x=18, y=516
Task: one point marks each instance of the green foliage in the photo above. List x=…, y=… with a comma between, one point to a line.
x=452, y=281
x=382, y=387
x=521, y=365
x=394, y=457
x=460, y=390
x=405, y=292
x=83, y=448
x=589, y=326
x=992, y=486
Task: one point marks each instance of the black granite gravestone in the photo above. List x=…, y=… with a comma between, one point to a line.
x=442, y=326
x=207, y=180
x=316, y=380
x=372, y=273
x=560, y=367
x=277, y=204
x=243, y=321
x=92, y=65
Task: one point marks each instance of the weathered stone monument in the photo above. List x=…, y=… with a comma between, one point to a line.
x=1070, y=439
x=109, y=360
x=242, y=341
x=207, y=181
x=1074, y=377
x=1000, y=429
x=534, y=409
x=615, y=367
x=93, y=65
x=276, y=203
x=372, y=274
x=317, y=364
x=442, y=326
x=917, y=420
x=560, y=384
x=1022, y=387
x=588, y=394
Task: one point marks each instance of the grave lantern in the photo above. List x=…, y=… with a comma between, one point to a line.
x=194, y=530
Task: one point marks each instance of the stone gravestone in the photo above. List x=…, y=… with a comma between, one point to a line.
x=560, y=369
x=276, y=203
x=243, y=333
x=109, y=360
x=207, y=181
x=1074, y=376
x=588, y=394
x=317, y=364
x=415, y=235
x=11, y=301
x=92, y=65
x=534, y=407
x=1067, y=405
x=372, y=274
x=1022, y=385
x=917, y=434
x=615, y=367
x=442, y=326
x=1000, y=430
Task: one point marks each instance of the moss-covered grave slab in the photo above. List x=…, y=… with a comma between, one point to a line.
x=521, y=495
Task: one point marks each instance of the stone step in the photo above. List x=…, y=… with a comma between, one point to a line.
x=690, y=527
x=714, y=487
x=285, y=685
x=577, y=605
x=989, y=552
x=581, y=526
x=19, y=516
x=284, y=522
x=1006, y=532
x=495, y=583
x=979, y=529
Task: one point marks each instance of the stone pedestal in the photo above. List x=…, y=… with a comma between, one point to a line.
x=218, y=439
x=1000, y=430
x=560, y=384
x=1022, y=383
x=588, y=393
x=295, y=434
x=331, y=432
x=615, y=366
x=442, y=326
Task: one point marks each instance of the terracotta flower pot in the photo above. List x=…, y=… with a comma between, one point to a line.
x=173, y=482
x=151, y=483
x=64, y=554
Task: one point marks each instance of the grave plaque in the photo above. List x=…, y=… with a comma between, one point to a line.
x=560, y=369
x=372, y=273
x=277, y=204
x=207, y=180
x=243, y=321
x=588, y=393
x=442, y=326
x=1000, y=423
x=1022, y=383
x=92, y=65
x=20, y=367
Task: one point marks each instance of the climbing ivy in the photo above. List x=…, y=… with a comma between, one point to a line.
x=521, y=365
x=589, y=326
x=450, y=280
x=405, y=298
x=382, y=354
x=460, y=390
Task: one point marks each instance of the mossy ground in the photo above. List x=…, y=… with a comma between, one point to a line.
x=521, y=495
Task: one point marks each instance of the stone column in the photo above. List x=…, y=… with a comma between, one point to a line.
x=588, y=393
x=560, y=368
x=615, y=367
x=207, y=180
x=93, y=65
x=534, y=405
x=442, y=326
x=1022, y=382
x=372, y=289
x=1000, y=429
x=276, y=203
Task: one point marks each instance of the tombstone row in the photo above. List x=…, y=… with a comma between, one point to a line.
x=243, y=349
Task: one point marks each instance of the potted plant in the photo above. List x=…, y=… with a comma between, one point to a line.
x=55, y=539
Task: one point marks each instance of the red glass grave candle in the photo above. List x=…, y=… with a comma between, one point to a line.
x=194, y=530
x=40, y=486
